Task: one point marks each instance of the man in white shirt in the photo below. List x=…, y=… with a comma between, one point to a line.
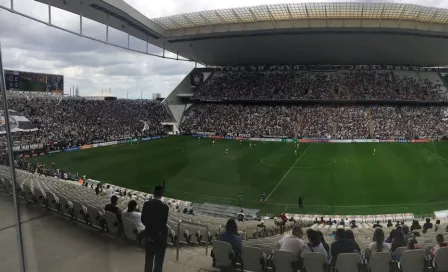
x=109, y=191
x=293, y=243
x=241, y=216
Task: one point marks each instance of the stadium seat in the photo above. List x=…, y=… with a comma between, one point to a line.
x=380, y=261
x=113, y=226
x=314, y=262
x=253, y=259
x=94, y=217
x=396, y=255
x=130, y=229
x=412, y=260
x=64, y=206
x=284, y=261
x=52, y=202
x=441, y=260
x=27, y=193
x=79, y=211
x=348, y=262
x=224, y=256
x=39, y=195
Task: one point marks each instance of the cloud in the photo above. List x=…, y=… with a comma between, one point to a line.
x=92, y=66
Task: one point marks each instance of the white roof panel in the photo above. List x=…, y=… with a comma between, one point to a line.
x=305, y=11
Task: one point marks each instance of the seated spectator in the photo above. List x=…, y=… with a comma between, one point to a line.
x=440, y=244
x=293, y=242
x=341, y=245
x=329, y=222
x=415, y=225
x=377, y=225
x=353, y=224
x=262, y=225
x=407, y=234
x=391, y=236
x=412, y=244
x=437, y=226
x=314, y=244
x=397, y=224
x=133, y=214
x=316, y=221
x=98, y=189
x=113, y=208
x=351, y=237
x=232, y=237
x=398, y=241
x=389, y=223
x=322, y=221
x=241, y=216
x=378, y=244
x=427, y=225
x=322, y=240
x=109, y=191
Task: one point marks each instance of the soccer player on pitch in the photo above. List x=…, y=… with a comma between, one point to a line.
x=374, y=152
x=240, y=199
x=233, y=159
x=263, y=198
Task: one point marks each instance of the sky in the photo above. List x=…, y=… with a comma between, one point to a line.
x=92, y=66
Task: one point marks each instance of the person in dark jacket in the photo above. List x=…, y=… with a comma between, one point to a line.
x=113, y=208
x=341, y=245
x=155, y=217
x=427, y=225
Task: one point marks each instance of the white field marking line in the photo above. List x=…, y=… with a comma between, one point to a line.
x=290, y=168
x=434, y=154
x=324, y=206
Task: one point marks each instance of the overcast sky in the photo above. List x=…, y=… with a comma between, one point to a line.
x=92, y=66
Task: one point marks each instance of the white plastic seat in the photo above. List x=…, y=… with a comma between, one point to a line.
x=380, y=261
x=130, y=229
x=412, y=260
x=64, y=206
x=253, y=259
x=314, y=262
x=441, y=260
x=27, y=193
x=112, y=223
x=348, y=262
x=398, y=252
x=51, y=200
x=95, y=218
x=284, y=261
x=223, y=254
x=79, y=211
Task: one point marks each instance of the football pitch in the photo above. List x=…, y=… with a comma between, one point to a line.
x=331, y=178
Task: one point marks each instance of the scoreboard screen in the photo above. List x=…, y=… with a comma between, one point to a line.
x=34, y=82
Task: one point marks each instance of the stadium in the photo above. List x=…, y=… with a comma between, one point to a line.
x=319, y=118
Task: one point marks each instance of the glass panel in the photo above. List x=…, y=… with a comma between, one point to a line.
x=261, y=12
x=10, y=249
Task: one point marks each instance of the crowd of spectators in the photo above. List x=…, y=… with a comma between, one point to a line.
x=337, y=122
x=347, y=85
x=78, y=121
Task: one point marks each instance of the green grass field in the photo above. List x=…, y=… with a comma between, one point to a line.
x=332, y=178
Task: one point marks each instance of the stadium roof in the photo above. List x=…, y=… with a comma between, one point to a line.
x=300, y=33
x=304, y=11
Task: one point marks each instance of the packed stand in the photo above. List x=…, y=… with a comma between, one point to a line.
x=332, y=85
x=339, y=122
x=76, y=121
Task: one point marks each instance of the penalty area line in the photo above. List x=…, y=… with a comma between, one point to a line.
x=290, y=168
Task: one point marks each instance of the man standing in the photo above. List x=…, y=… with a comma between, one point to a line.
x=240, y=199
x=155, y=217
x=263, y=198
x=300, y=202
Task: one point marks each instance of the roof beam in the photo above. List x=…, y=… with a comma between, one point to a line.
x=171, y=19
x=254, y=16
x=270, y=15
x=362, y=14
x=326, y=17
x=290, y=15
x=382, y=14
x=401, y=16
x=222, y=20
x=417, y=24
x=433, y=17
x=307, y=15
x=209, y=24
x=238, y=18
